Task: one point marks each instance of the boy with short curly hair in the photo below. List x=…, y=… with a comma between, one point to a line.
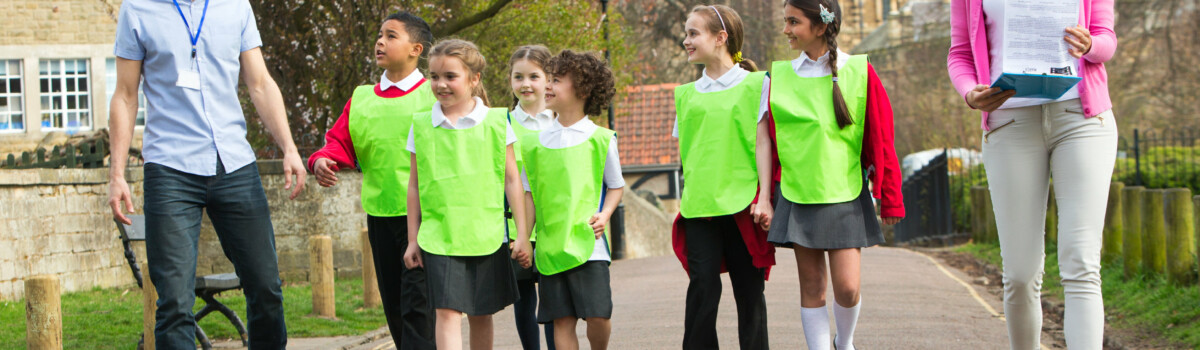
x=573, y=179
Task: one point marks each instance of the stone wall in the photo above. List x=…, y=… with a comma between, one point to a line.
x=56, y=221
x=48, y=22
x=647, y=229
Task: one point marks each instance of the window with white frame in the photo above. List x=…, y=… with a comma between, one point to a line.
x=110, y=80
x=65, y=99
x=12, y=108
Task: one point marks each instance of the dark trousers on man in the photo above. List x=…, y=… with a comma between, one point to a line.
x=404, y=291
x=237, y=206
x=711, y=242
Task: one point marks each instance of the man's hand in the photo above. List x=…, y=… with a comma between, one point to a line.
x=293, y=167
x=326, y=171
x=118, y=193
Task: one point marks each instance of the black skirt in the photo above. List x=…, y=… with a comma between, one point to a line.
x=582, y=292
x=826, y=226
x=475, y=285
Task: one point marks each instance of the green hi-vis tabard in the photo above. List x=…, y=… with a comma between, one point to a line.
x=520, y=131
x=717, y=132
x=460, y=177
x=821, y=163
x=566, y=185
x=379, y=129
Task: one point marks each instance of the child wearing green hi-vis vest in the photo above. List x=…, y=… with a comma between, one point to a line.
x=463, y=168
x=720, y=126
x=527, y=77
x=368, y=136
x=832, y=131
x=573, y=177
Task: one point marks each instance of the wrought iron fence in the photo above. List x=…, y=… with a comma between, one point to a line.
x=927, y=202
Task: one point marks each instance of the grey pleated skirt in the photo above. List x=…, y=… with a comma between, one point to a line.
x=474, y=285
x=825, y=226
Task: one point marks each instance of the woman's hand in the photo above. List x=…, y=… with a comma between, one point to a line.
x=1080, y=40
x=988, y=99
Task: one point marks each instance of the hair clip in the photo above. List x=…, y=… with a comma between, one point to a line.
x=737, y=58
x=826, y=16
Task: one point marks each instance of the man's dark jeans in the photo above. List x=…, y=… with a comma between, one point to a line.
x=237, y=207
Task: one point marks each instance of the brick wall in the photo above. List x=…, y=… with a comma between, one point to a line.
x=56, y=221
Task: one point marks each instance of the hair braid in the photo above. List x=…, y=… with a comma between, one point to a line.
x=839, y=103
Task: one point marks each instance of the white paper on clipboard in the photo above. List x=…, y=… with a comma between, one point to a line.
x=1033, y=37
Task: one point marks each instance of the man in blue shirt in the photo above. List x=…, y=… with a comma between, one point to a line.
x=197, y=157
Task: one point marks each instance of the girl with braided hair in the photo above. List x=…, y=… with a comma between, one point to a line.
x=832, y=130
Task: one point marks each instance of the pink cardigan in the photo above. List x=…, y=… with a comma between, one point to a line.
x=968, y=59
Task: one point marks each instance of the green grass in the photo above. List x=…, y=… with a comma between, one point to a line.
x=112, y=318
x=1142, y=302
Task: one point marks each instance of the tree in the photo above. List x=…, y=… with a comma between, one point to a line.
x=658, y=26
x=320, y=50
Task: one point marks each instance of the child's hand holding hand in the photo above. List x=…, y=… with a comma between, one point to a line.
x=763, y=213
x=412, y=257
x=891, y=221
x=522, y=252
x=326, y=170
x=598, y=221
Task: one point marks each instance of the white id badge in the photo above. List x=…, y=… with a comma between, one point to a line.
x=188, y=79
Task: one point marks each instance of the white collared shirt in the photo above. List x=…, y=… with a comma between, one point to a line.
x=728, y=80
x=404, y=84
x=557, y=136
x=466, y=122
x=808, y=68
x=537, y=122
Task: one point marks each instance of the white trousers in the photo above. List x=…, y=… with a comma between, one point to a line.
x=1024, y=147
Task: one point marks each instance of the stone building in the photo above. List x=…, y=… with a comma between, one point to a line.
x=56, y=71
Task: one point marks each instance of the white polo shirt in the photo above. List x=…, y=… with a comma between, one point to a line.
x=558, y=136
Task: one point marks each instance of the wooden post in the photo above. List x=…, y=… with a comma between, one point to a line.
x=149, y=308
x=43, y=312
x=371, y=298
x=1180, y=242
x=978, y=216
x=1051, y=217
x=1131, y=207
x=1196, y=226
x=1113, y=225
x=320, y=275
x=1154, y=232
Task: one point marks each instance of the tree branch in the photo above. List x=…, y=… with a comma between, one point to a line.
x=451, y=28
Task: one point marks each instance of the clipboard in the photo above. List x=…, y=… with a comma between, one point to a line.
x=1036, y=85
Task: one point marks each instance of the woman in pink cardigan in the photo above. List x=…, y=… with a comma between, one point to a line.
x=1025, y=141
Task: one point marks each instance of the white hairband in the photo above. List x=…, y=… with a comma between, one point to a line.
x=722, y=20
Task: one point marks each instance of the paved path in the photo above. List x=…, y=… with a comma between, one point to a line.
x=909, y=302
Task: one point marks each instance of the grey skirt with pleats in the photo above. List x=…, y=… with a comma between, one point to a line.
x=825, y=226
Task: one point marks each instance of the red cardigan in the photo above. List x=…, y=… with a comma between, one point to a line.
x=879, y=151
x=338, y=145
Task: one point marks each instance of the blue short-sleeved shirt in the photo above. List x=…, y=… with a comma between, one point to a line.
x=186, y=129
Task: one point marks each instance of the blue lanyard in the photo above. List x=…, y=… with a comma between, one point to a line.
x=200, y=27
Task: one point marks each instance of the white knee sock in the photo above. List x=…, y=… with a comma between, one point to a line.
x=816, y=327
x=847, y=319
